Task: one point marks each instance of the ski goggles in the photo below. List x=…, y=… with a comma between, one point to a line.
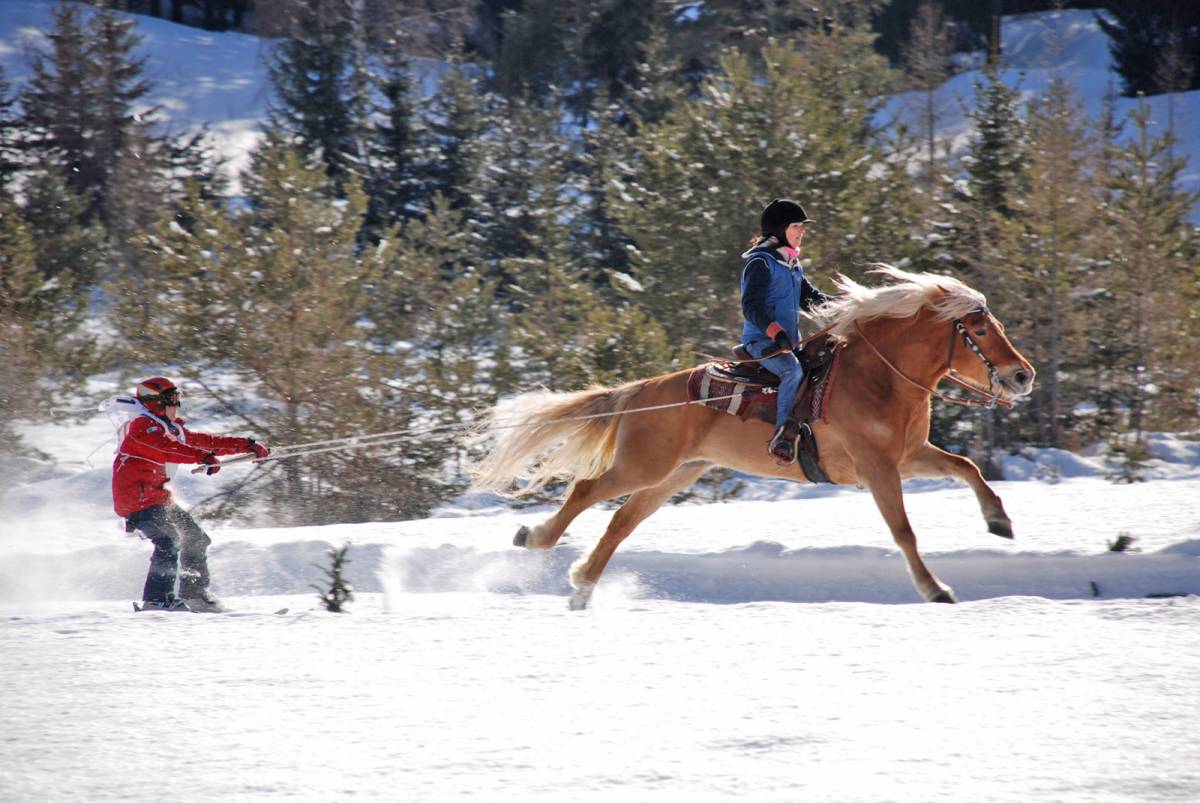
x=169, y=398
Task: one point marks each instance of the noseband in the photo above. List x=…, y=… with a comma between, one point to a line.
x=990, y=397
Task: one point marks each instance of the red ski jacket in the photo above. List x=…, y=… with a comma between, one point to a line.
x=140, y=470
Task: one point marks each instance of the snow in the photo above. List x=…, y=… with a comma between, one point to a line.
x=460, y=696
x=770, y=647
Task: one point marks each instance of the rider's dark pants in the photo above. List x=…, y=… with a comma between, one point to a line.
x=180, y=550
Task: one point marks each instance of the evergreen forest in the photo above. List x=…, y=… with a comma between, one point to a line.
x=564, y=208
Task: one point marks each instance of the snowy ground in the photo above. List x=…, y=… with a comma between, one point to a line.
x=506, y=697
x=764, y=648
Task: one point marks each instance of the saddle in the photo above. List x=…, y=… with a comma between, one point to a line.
x=744, y=388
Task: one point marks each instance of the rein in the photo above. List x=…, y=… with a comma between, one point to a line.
x=793, y=349
x=990, y=397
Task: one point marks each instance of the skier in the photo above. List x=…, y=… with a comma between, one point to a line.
x=774, y=290
x=151, y=441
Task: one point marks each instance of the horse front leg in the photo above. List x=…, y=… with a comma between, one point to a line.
x=884, y=484
x=930, y=461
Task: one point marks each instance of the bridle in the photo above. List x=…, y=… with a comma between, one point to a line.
x=990, y=397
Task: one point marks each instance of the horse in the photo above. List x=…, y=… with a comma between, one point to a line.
x=645, y=439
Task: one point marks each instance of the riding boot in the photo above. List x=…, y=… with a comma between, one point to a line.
x=785, y=443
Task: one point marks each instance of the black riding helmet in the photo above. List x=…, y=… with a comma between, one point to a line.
x=779, y=214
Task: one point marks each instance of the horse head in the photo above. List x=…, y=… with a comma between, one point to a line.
x=963, y=340
x=987, y=356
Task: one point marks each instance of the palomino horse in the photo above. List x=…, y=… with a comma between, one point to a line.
x=901, y=341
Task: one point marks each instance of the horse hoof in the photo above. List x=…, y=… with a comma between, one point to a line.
x=942, y=595
x=580, y=599
x=522, y=536
x=1000, y=527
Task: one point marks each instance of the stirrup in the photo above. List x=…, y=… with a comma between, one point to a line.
x=785, y=444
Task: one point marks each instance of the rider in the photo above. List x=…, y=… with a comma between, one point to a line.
x=774, y=290
x=154, y=438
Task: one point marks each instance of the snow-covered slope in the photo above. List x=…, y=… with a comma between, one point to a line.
x=1039, y=48
x=199, y=77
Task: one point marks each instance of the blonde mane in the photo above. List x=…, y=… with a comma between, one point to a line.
x=910, y=292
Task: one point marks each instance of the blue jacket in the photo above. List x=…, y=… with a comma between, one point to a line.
x=773, y=293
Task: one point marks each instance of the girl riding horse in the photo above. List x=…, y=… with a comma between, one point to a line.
x=645, y=438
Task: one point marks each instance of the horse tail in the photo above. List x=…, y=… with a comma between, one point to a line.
x=543, y=435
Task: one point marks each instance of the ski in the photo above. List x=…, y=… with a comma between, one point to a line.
x=140, y=609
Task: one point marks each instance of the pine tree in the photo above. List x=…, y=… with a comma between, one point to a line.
x=619, y=33
x=436, y=310
x=520, y=215
x=24, y=323
x=140, y=186
x=9, y=131
x=120, y=136
x=340, y=591
x=657, y=86
x=456, y=119
x=276, y=296
x=1140, y=32
x=600, y=168
x=1059, y=260
x=982, y=236
x=395, y=141
x=70, y=256
x=1174, y=71
x=624, y=342
x=83, y=105
x=319, y=87
x=1154, y=277
x=801, y=126
x=57, y=102
x=926, y=61
x=969, y=23
x=535, y=49
x=192, y=158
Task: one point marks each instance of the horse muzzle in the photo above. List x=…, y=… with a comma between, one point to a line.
x=1017, y=381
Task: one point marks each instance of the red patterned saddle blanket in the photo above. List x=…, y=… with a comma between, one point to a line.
x=749, y=392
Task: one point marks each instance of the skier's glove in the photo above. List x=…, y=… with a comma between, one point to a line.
x=214, y=465
x=260, y=449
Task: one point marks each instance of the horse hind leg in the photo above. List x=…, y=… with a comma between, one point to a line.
x=632, y=470
x=545, y=535
x=617, y=481
x=586, y=572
